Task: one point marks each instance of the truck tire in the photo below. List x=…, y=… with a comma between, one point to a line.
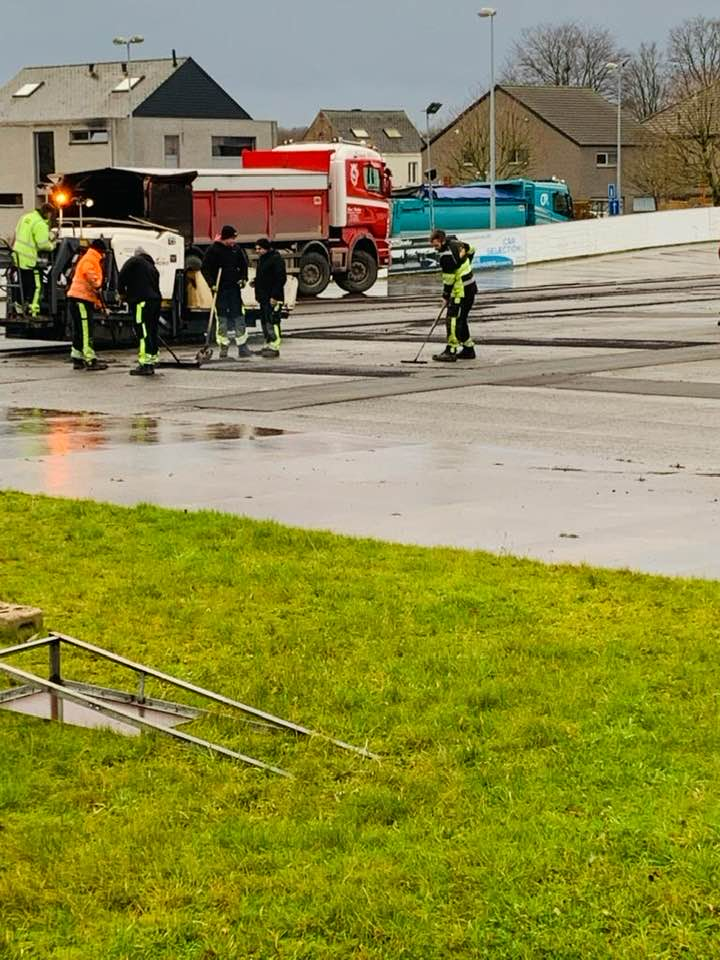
x=314, y=273
x=361, y=275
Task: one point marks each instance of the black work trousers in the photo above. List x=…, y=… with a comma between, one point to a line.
x=270, y=316
x=82, y=314
x=147, y=321
x=30, y=282
x=456, y=324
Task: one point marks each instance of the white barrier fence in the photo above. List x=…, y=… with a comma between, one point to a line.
x=579, y=238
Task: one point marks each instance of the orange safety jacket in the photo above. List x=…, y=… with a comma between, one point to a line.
x=88, y=278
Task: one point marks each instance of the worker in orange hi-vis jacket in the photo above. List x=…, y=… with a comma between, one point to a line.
x=84, y=298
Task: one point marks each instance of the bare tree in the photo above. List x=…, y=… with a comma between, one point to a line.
x=291, y=134
x=653, y=168
x=563, y=55
x=646, y=82
x=466, y=152
x=684, y=147
x=694, y=54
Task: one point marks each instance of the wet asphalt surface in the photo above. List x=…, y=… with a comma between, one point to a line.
x=585, y=431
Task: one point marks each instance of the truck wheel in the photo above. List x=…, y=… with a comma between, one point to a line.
x=314, y=273
x=361, y=275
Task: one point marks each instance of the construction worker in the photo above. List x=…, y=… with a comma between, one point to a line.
x=227, y=256
x=32, y=236
x=139, y=283
x=459, y=291
x=84, y=297
x=270, y=277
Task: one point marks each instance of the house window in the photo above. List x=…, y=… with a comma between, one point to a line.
x=28, y=89
x=360, y=133
x=44, y=155
x=89, y=136
x=413, y=172
x=127, y=84
x=231, y=146
x=606, y=159
x=172, y=150
x=11, y=199
x=519, y=157
x=392, y=133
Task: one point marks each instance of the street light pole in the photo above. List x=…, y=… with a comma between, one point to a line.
x=618, y=67
x=127, y=42
x=490, y=13
x=431, y=109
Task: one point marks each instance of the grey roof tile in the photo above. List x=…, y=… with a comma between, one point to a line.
x=376, y=122
x=85, y=92
x=579, y=113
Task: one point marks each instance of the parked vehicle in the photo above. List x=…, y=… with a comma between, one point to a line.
x=324, y=205
x=519, y=203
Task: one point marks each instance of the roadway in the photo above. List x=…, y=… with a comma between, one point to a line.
x=585, y=432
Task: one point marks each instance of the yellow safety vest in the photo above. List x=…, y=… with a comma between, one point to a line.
x=32, y=234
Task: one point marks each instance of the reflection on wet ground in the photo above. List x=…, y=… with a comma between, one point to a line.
x=419, y=284
x=43, y=432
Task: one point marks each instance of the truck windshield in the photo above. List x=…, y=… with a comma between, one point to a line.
x=372, y=179
x=562, y=205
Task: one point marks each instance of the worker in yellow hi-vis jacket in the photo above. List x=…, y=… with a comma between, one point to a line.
x=459, y=291
x=32, y=236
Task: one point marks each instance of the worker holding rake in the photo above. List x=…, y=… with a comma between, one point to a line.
x=459, y=291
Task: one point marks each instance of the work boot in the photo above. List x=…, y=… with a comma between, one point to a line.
x=447, y=356
x=224, y=352
x=78, y=364
x=467, y=353
x=269, y=353
x=143, y=370
x=92, y=365
x=244, y=351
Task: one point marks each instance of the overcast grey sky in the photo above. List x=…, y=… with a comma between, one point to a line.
x=285, y=59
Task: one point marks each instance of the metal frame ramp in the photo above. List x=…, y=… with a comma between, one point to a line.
x=135, y=710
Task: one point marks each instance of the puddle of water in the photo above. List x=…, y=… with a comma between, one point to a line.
x=231, y=431
x=42, y=432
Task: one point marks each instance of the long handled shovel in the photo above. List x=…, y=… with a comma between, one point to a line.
x=427, y=339
x=205, y=352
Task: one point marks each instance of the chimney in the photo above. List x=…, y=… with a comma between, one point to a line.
x=174, y=56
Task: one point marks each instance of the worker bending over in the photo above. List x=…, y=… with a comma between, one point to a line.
x=32, y=236
x=459, y=291
x=139, y=283
x=84, y=297
x=270, y=277
x=225, y=267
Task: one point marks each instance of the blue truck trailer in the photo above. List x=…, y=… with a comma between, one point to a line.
x=466, y=208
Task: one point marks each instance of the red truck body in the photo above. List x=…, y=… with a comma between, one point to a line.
x=325, y=205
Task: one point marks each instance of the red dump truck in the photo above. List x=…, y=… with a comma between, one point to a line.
x=326, y=205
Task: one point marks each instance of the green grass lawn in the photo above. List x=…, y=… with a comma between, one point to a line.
x=550, y=776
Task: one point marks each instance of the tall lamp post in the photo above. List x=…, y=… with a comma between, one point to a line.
x=127, y=43
x=430, y=110
x=490, y=12
x=618, y=68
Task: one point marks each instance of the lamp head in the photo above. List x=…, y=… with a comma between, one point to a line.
x=432, y=108
x=487, y=12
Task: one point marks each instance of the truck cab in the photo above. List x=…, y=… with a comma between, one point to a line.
x=358, y=212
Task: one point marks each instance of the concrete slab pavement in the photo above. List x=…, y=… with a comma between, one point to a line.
x=511, y=455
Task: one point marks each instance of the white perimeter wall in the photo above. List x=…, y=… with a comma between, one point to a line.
x=586, y=238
